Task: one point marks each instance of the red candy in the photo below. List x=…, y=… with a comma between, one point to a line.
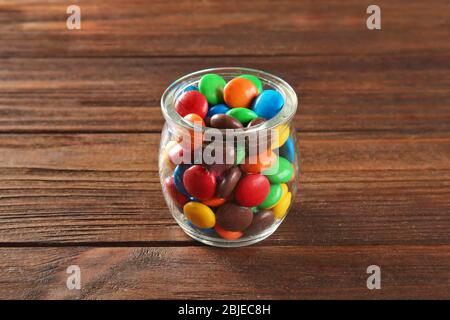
x=179, y=198
x=252, y=190
x=199, y=183
x=192, y=102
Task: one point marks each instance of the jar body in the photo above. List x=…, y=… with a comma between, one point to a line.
x=225, y=210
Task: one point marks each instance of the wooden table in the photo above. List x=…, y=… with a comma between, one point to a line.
x=80, y=125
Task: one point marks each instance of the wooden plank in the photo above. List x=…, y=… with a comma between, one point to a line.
x=31, y=28
x=414, y=272
x=382, y=92
x=94, y=188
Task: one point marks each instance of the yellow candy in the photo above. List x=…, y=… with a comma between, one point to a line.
x=282, y=134
x=282, y=206
x=284, y=191
x=199, y=214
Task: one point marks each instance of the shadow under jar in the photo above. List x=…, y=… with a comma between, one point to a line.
x=229, y=187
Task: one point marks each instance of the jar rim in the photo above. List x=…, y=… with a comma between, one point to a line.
x=175, y=89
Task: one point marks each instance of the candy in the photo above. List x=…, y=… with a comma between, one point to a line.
x=199, y=214
x=283, y=173
x=261, y=221
x=281, y=134
x=199, y=183
x=217, y=109
x=176, y=154
x=273, y=197
x=228, y=235
x=223, y=121
x=178, y=178
x=190, y=88
x=195, y=119
x=287, y=150
x=244, y=115
x=214, y=202
x=239, y=93
x=259, y=162
x=240, y=153
x=232, y=217
x=209, y=231
x=211, y=86
x=252, y=190
x=179, y=198
x=255, y=81
x=228, y=183
x=191, y=102
x=282, y=206
x=255, y=122
x=268, y=104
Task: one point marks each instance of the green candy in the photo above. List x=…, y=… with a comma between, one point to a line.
x=254, y=209
x=273, y=196
x=211, y=86
x=240, y=154
x=283, y=173
x=244, y=115
x=255, y=81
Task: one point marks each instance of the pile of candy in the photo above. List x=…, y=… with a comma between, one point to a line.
x=252, y=193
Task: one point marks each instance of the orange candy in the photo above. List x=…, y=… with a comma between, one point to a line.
x=260, y=162
x=228, y=235
x=196, y=120
x=239, y=93
x=214, y=202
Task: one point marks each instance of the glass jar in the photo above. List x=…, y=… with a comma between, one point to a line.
x=268, y=149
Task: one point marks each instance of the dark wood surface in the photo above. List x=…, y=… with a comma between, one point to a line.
x=80, y=127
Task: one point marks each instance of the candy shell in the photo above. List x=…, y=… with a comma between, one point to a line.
x=194, y=119
x=282, y=206
x=217, y=109
x=261, y=221
x=179, y=154
x=273, y=197
x=280, y=136
x=211, y=86
x=268, y=104
x=239, y=93
x=244, y=115
x=283, y=173
x=228, y=182
x=240, y=153
x=199, y=183
x=287, y=150
x=259, y=163
x=190, y=88
x=208, y=231
x=178, y=178
x=232, y=217
x=255, y=81
x=256, y=122
x=252, y=190
x=228, y=235
x=214, y=202
x=191, y=102
x=199, y=215
x=178, y=198
x=223, y=121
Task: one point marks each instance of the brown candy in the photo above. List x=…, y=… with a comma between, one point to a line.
x=232, y=217
x=228, y=183
x=223, y=121
x=255, y=122
x=261, y=221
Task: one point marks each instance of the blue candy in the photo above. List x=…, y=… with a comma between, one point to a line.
x=268, y=104
x=178, y=178
x=287, y=150
x=190, y=88
x=209, y=231
x=217, y=109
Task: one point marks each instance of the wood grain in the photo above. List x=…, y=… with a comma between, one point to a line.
x=355, y=188
x=210, y=28
x=407, y=93
x=252, y=273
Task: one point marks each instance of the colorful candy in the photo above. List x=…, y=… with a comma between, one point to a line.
x=252, y=190
x=260, y=162
x=256, y=122
x=211, y=86
x=287, y=150
x=273, y=197
x=268, y=104
x=255, y=81
x=192, y=102
x=232, y=217
x=179, y=198
x=261, y=221
x=178, y=178
x=244, y=115
x=199, y=215
x=223, y=121
x=228, y=182
x=199, y=183
x=217, y=109
x=228, y=235
x=239, y=93
x=282, y=206
x=283, y=173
